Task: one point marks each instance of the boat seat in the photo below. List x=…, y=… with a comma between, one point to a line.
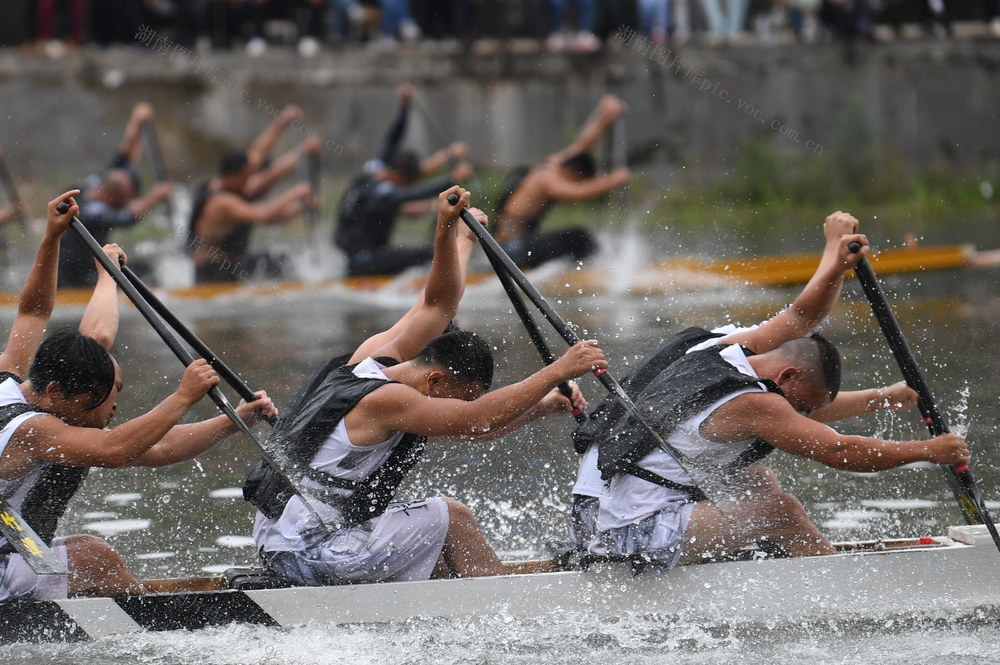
x=251, y=578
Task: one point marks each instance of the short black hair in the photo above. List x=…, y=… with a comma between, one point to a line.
x=819, y=355
x=78, y=364
x=464, y=354
x=406, y=163
x=232, y=162
x=582, y=164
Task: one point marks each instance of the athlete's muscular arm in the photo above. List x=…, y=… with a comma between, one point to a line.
x=820, y=293
x=38, y=296
x=773, y=419
x=263, y=144
x=436, y=160
x=233, y=210
x=184, y=442
x=607, y=110
x=562, y=189
x=100, y=319
x=552, y=405
x=399, y=408
x=444, y=289
x=851, y=403
x=140, y=206
x=466, y=243
x=48, y=438
x=261, y=182
x=131, y=143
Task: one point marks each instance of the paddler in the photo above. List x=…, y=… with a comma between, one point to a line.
x=352, y=435
x=52, y=425
x=111, y=201
x=725, y=398
x=566, y=176
x=227, y=208
x=390, y=186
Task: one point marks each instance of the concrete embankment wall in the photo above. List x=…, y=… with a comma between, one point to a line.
x=692, y=107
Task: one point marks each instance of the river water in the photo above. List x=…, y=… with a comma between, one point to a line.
x=189, y=519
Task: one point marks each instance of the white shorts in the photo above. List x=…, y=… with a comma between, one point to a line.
x=18, y=580
x=401, y=544
x=657, y=538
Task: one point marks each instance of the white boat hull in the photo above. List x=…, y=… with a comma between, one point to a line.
x=952, y=577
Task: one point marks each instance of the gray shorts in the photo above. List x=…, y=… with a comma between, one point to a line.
x=18, y=580
x=583, y=520
x=657, y=538
x=401, y=544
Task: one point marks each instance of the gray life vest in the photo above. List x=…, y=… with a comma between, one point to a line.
x=52, y=487
x=668, y=387
x=312, y=415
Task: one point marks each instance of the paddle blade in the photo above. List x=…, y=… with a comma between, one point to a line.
x=39, y=556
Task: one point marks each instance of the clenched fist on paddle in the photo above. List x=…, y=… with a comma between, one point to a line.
x=198, y=379
x=581, y=358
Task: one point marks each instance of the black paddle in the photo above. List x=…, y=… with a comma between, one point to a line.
x=159, y=166
x=508, y=266
x=960, y=478
x=312, y=213
x=529, y=324
x=175, y=346
x=39, y=556
x=619, y=153
x=202, y=349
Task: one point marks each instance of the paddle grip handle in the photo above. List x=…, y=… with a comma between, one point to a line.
x=452, y=199
x=62, y=207
x=854, y=247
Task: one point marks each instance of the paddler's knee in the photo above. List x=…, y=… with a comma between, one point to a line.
x=459, y=514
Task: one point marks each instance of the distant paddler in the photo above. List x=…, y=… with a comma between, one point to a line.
x=228, y=207
x=110, y=201
x=395, y=184
x=566, y=176
x=58, y=396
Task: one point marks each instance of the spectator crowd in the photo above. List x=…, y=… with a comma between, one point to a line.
x=558, y=25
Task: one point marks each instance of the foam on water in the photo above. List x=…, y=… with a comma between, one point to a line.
x=155, y=556
x=559, y=639
x=227, y=493
x=114, y=527
x=234, y=541
x=900, y=504
x=123, y=498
